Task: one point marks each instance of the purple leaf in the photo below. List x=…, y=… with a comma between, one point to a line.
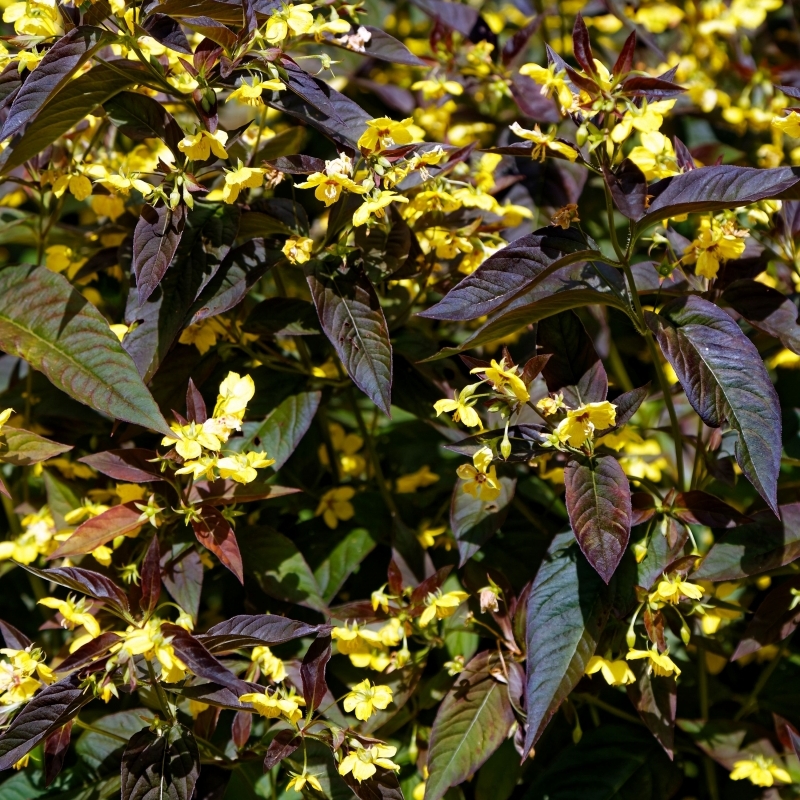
x=532, y=103
x=624, y=63
x=141, y=117
x=89, y=652
x=258, y=630
x=599, y=506
x=567, y=611
x=155, y=241
x=754, y=548
x=282, y=746
x=774, y=620
x=151, y=577
x=473, y=720
x=627, y=405
x=48, y=711
x=195, y=405
x=628, y=188
x=661, y=552
x=514, y=269
x=353, y=321
x=131, y=466
x=191, y=651
x=164, y=767
x=226, y=492
x=651, y=88
x=241, y=727
x=54, y=70
x=226, y=13
x=312, y=671
x=715, y=189
x=517, y=43
x=385, y=48
x=214, y=532
x=582, y=47
x=574, y=367
x=121, y=520
x=86, y=582
x=297, y=165
x=56, y=746
x=167, y=31
x=701, y=508
x=655, y=698
x=13, y=638
x=182, y=575
x=766, y=309
x=473, y=521
x=381, y=786
x=725, y=381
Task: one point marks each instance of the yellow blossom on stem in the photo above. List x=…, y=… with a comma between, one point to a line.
x=715, y=242
x=235, y=392
x=269, y=664
x=552, y=80
x=74, y=613
x=189, y=440
x=480, y=479
x=200, y=146
x=298, y=782
x=237, y=180
x=365, y=698
x=329, y=184
x=440, y=606
x=544, y=142
x=670, y=590
x=579, y=425
x=616, y=673
x=655, y=157
x=250, y=93
x=461, y=405
x=790, y=124
x=295, y=18
x=80, y=187
x=241, y=467
x=298, y=249
x=273, y=705
x=406, y=484
x=375, y=206
x=384, y=132
x=335, y=505
x=150, y=642
x=362, y=761
x=34, y=18
x=660, y=663
x=760, y=771
x=505, y=379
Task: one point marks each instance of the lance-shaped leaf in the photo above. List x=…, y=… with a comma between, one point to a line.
x=775, y=620
x=227, y=492
x=599, y=506
x=282, y=746
x=725, y=381
x=151, y=576
x=312, y=670
x=574, y=368
x=383, y=785
x=655, y=698
x=227, y=13
x=121, y=520
x=282, y=429
x=514, y=269
x=353, y=321
x=214, y=532
x=471, y=723
x=135, y=465
x=141, y=117
x=86, y=582
x=23, y=448
x=46, y=321
x=75, y=100
x=383, y=47
x=628, y=188
x=567, y=611
x=155, y=240
x=182, y=574
x=662, y=550
x=193, y=653
x=89, y=652
x=701, y=508
x=751, y=549
x=164, y=767
x=474, y=521
x=766, y=309
x=714, y=189
x=54, y=70
x=56, y=746
x=283, y=316
x=257, y=630
x=12, y=637
x=51, y=708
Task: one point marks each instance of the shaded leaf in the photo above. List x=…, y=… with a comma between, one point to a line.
x=655, y=698
x=353, y=321
x=23, y=448
x=155, y=240
x=312, y=670
x=599, y=506
x=628, y=188
x=56, y=746
x=774, y=620
x=224, y=492
x=89, y=652
x=766, y=309
x=121, y=520
x=516, y=268
x=471, y=723
x=282, y=746
x=182, y=575
x=132, y=465
x=164, y=767
x=86, y=582
x=567, y=611
x=474, y=521
x=44, y=320
x=151, y=576
x=214, y=532
x=257, y=630
x=283, y=316
x=141, y=117
x=12, y=637
x=700, y=508
x=342, y=561
x=385, y=48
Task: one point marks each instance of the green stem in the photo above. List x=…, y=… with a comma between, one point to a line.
x=591, y=700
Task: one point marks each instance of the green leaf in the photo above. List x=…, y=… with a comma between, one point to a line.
x=94, y=747
x=44, y=320
x=726, y=382
x=60, y=499
x=353, y=321
x=471, y=723
x=474, y=521
x=598, y=498
x=343, y=561
x=23, y=448
x=77, y=99
x=567, y=611
x=281, y=431
x=279, y=567
x=609, y=763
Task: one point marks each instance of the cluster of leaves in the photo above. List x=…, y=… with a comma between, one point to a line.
x=402, y=409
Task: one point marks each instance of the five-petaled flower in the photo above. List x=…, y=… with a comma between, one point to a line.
x=480, y=479
x=335, y=505
x=362, y=761
x=580, y=424
x=365, y=698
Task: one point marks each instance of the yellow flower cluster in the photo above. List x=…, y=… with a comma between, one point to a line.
x=368, y=648
x=22, y=674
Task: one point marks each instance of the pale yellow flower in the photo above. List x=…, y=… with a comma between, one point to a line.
x=200, y=146
x=579, y=425
x=362, y=761
x=760, y=771
x=660, y=663
x=335, y=505
x=480, y=479
x=440, y=606
x=365, y=698
x=616, y=673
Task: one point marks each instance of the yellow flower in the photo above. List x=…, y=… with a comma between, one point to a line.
x=714, y=617
x=655, y=157
x=550, y=405
x=80, y=187
x=437, y=88
x=34, y=18
x=670, y=590
x=552, y=81
x=203, y=335
x=505, y=380
x=74, y=613
x=241, y=467
x=365, y=698
x=189, y=440
x=580, y=424
x=250, y=93
x=481, y=480
x=362, y=761
x=790, y=124
x=406, y=484
x=201, y=467
x=5, y=415
x=646, y=119
x=298, y=19
x=660, y=663
x=241, y=178
x=750, y=14
x=616, y=673
x=329, y=184
x=439, y=606
x=716, y=242
x=760, y=771
x=270, y=665
x=658, y=17
x=384, y=132
x=200, y=146
x=274, y=705
x=60, y=257
x=356, y=640
x=235, y=392
x=427, y=536
x=544, y=142
x=297, y=782
x=298, y=249
x=335, y=505
x=334, y=25
x=347, y=446
x=376, y=205
x=461, y=405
